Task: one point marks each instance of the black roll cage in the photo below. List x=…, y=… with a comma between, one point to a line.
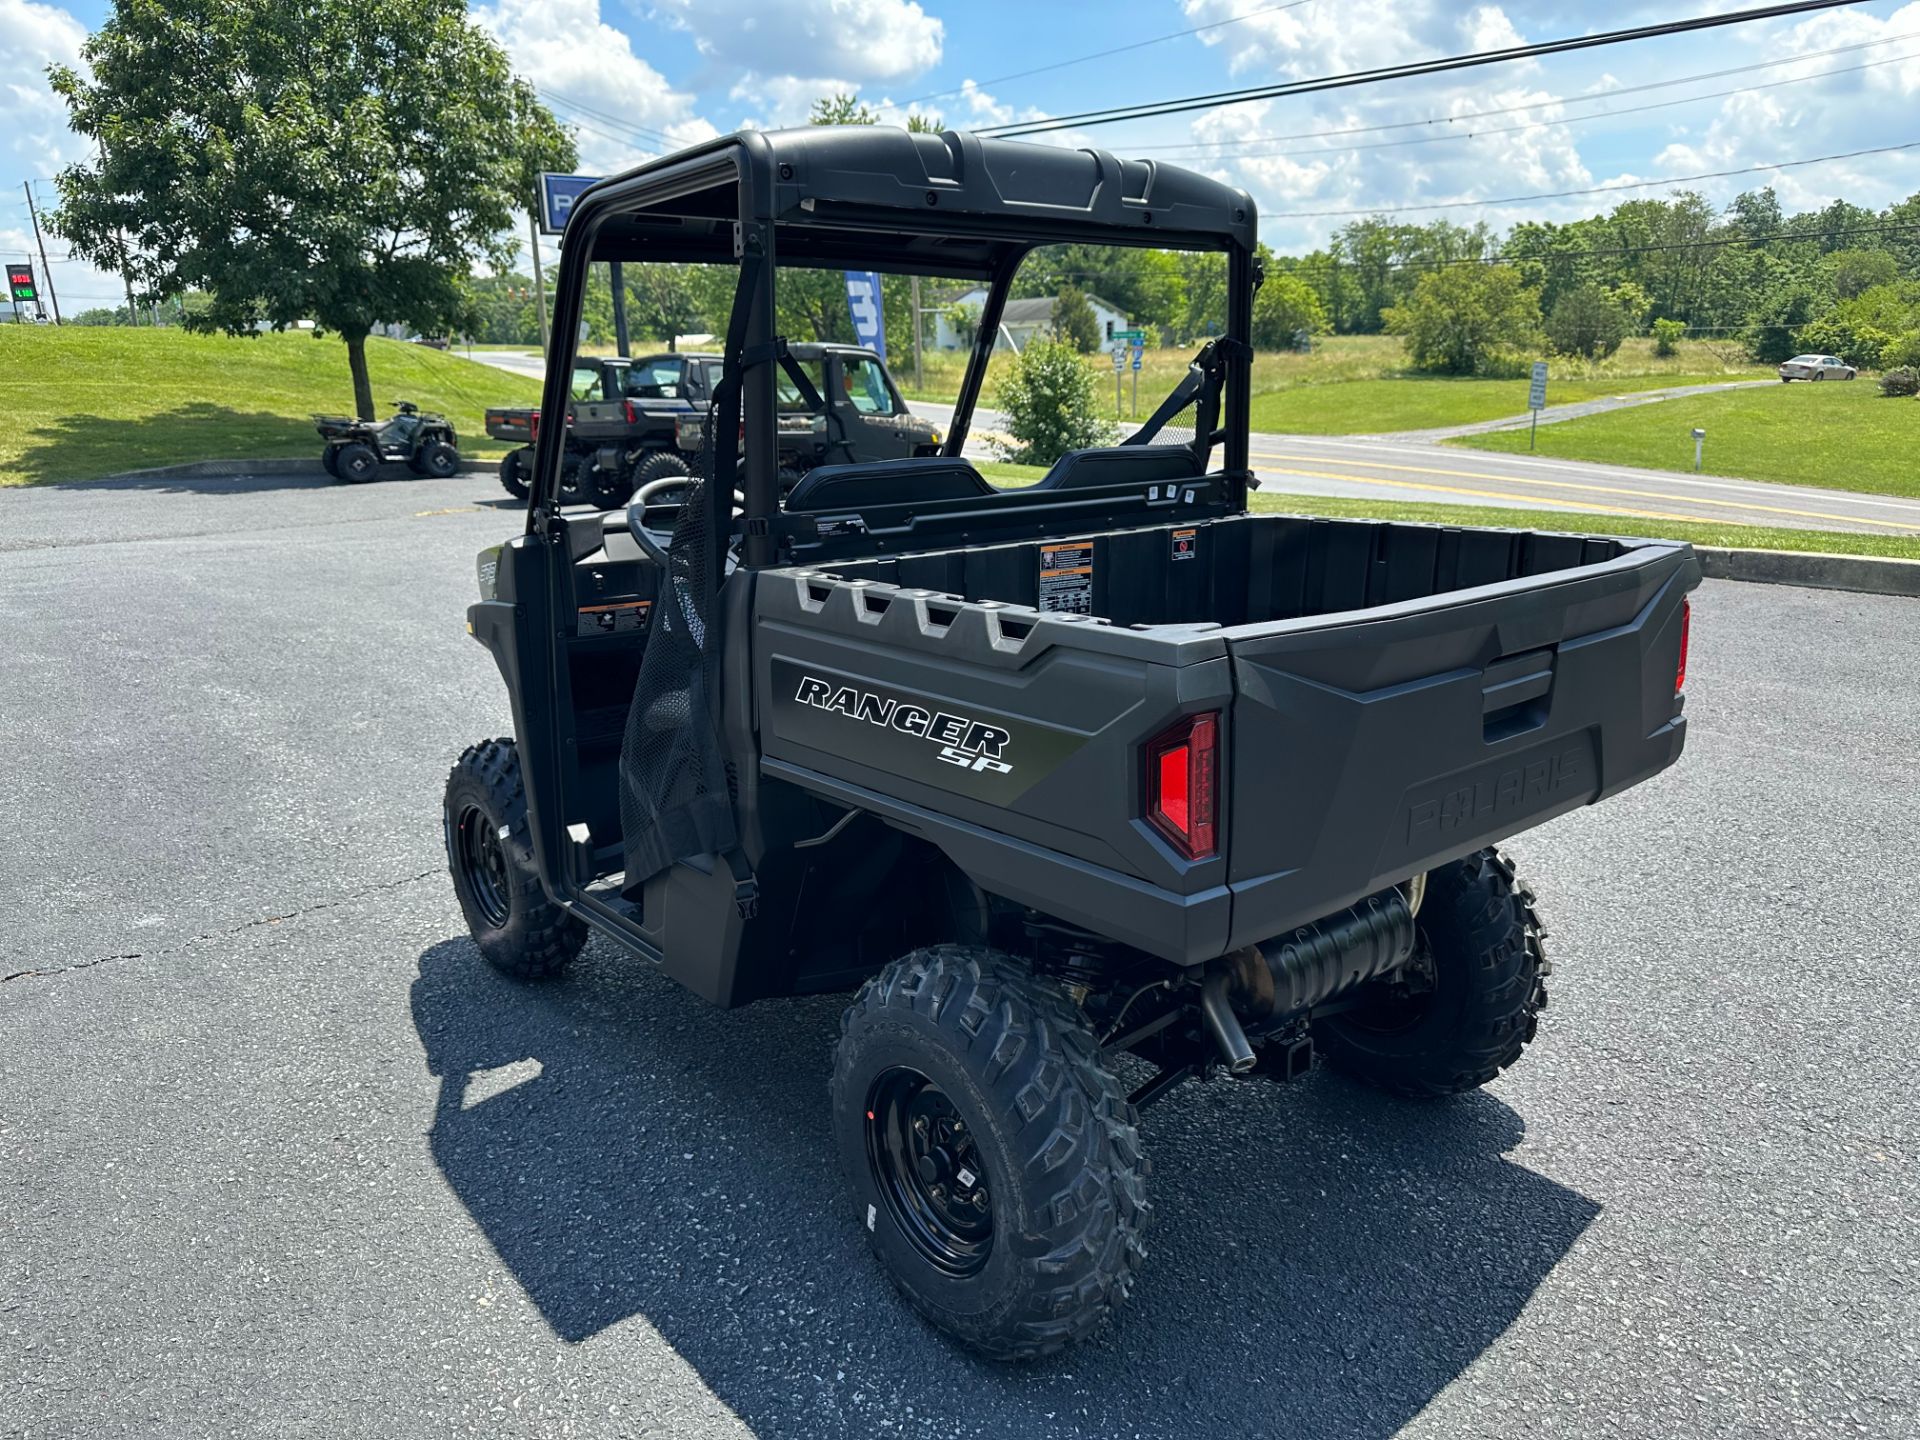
x=874, y=198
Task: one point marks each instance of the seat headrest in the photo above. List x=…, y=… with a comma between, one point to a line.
x=887, y=482
x=1119, y=465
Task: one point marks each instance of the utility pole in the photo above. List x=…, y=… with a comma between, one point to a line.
x=539, y=281
x=45, y=269
x=916, y=332
x=618, y=278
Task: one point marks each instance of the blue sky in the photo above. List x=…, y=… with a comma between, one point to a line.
x=637, y=76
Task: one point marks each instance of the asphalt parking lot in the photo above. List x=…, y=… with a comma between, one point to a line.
x=280, y=1156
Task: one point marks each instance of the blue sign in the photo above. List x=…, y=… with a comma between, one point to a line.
x=557, y=194
x=869, y=315
x=1138, y=351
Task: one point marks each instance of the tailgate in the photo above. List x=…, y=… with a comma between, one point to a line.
x=1370, y=746
x=515, y=425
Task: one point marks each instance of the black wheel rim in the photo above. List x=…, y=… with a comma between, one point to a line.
x=927, y=1164
x=1401, y=1000
x=483, y=864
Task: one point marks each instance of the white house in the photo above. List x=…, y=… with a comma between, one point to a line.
x=1022, y=320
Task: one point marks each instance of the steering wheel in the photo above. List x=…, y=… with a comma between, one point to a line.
x=654, y=492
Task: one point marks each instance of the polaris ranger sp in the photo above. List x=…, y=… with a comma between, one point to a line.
x=1081, y=790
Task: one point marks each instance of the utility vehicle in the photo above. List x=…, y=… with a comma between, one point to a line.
x=620, y=423
x=838, y=405
x=356, y=449
x=1083, y=790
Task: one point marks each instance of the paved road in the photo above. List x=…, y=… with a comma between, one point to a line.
x=1384, y=469
x=1387, y=468
x=280, y=1156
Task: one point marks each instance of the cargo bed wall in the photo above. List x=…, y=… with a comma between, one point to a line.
x=1241, y=570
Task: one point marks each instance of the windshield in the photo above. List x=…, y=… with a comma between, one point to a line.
x=866, y=386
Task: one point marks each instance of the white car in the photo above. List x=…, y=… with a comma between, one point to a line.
x=1816, y=367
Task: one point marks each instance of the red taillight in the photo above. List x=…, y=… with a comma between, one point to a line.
x=533, y=423
x=1686, y=631
x=1183, y=773
x=632, y=419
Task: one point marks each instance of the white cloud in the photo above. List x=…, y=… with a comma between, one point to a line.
x=35, y=143
x=619, y=106
x=864, y=40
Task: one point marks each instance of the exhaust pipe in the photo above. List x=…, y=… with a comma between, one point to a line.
x=1296, y=971
x=1216, y=1013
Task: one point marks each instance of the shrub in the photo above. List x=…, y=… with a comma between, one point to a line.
x=1900, y=382
x=1586, y=322
x=1052, y=404
x=1666, y=336
x=1461, y=318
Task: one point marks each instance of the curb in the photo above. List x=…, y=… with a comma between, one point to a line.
x=1864, y=574
x=240, y=469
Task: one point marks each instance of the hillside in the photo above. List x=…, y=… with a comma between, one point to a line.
x=84, y=401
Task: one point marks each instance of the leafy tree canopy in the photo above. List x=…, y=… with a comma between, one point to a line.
x=332, y=160
x=1461, y=319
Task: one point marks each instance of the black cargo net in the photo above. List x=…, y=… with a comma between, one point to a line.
x=1188, y=416
x=674, y=801
x=1178, y=428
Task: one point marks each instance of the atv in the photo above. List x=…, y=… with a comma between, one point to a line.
x=356, y=449
x=1082, y=792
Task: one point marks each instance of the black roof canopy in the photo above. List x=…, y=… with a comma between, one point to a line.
x=869, y=197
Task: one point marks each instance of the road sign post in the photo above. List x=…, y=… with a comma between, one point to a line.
x=1699, y=446
x=1536, y=399
x=1119, y=364
x=1138, y=350
x=20, y=288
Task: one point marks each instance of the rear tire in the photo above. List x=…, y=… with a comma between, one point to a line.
x=1467, y=1004
x=356, y=463
x=329, y=462
x=992, y=1156
x=489, y=852
x=513, y=473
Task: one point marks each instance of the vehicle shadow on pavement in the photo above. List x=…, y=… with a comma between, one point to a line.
x=1323, y=1260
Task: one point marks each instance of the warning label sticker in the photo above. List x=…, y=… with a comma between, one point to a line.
x=1186, y=544
x=1066, y=577
x=621, y=617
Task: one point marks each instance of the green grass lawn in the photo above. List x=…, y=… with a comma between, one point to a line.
x=1359, y=384
x=84, y=401
x=1838, y=436
x=1381, y=406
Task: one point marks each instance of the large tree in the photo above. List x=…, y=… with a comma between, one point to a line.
x=296, y=159
x=1462, y=317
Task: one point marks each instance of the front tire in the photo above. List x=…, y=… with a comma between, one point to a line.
x=489, y=852
x=514, y=471
x=992, y=1155
x=439, y=461
x=1465, y=1007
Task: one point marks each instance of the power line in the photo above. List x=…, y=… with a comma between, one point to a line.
x=1548, y=124
x=1595, y=189
x=1608, y=94
x=1412, y=69
x=1096, y=55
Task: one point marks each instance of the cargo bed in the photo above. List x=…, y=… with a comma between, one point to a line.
x=1389, y=695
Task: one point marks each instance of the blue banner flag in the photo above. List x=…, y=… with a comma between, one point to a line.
x=869, y=317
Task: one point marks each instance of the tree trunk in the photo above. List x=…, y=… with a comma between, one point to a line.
x=362, y=385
